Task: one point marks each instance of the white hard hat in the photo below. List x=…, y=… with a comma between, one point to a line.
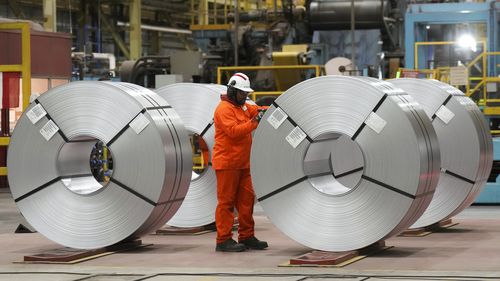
x=241, y=82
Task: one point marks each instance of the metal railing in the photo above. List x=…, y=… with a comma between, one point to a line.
x=318, y=71
x=474, y=83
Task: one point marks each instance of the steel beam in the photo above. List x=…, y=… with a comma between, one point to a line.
x=135, y=29
x=14, y=6
x=50, y=15
x=116, y=37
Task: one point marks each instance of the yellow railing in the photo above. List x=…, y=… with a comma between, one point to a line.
x=438, y=43
x=443, y=73
x=24, y=68
x=206, y=12
x=318, y=71
x=482, y=79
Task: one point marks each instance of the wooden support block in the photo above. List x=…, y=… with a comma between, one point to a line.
x=442, y=225
x=415, y=232
x=70, y=256
x=336, y=259
x=424, y=231
x=324, y=258
x=172, y=230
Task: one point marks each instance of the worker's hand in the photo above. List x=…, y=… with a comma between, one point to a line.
x=259, y=115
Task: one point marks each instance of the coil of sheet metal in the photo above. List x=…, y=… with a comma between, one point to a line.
x=339, y=66
x=465, y=144
x=340, y=162
x=50, y=175
x=195, y=104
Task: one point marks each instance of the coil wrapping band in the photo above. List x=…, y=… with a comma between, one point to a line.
x=465, y=144
x=195, y=104
x=340, y=162
x=50, y=148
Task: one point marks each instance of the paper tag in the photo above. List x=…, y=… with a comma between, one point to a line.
x=139, y=123
x=375, y=122
x=295, y=137
x=445, y=114
x=49, y=130
x=36, y=113
x=277, y=118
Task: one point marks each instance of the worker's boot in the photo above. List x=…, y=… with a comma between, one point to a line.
x=230, y=246
x=254, y=243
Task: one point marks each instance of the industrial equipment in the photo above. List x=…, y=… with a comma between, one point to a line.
x=256, y=34
x=143, y=71
x=93, y=66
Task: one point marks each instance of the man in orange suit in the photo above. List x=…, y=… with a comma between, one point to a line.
x=234, y=121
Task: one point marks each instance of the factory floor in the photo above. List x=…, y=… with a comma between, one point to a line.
x=467, y=251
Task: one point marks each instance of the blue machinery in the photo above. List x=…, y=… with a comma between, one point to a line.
x=419, y=16
x=491, y=192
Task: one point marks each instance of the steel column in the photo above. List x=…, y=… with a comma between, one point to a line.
x=135, y=29
x=50, y=15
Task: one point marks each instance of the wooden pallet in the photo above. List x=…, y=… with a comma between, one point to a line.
x=335, y=259
x=71, y=256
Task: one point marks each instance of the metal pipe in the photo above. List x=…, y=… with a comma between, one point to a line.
x=192, y=12
x=353, y=45
x=215, y=12
x=158, y=28
x=225, y=11
x=236, y=24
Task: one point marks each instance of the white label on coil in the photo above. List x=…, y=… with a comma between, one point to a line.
x=277, y=118
x=375, y=122
x=139, y=123
x=49, y=130
x=36, y=113
x=445, y=114
x=295, y=137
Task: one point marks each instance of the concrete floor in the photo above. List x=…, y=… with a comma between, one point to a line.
x=468, y=251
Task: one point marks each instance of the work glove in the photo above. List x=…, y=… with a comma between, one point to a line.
x=259, y=115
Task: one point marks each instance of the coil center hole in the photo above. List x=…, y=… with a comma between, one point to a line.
x=334, y=164
x=85, y=165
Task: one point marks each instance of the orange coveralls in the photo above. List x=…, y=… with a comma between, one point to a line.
x=231, y=162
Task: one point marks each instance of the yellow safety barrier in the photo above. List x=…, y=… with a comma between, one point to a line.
x=318, y=71
x=24, y=68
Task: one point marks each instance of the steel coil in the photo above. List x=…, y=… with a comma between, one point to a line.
x=195, y=104
x=465, y=143
x=340, y=162
x=48, y=163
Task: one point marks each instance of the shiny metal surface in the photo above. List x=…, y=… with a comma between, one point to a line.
x=336, y=15
x=400, y=163
x=195, y=104
x=465, y=144
x=152, y=164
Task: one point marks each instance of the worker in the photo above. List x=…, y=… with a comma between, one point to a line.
x=234, y=121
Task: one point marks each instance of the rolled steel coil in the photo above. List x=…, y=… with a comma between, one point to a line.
x=49, y=171
x=195, y=104
x=339, y=162
x=465, y=144
x=336, y=14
